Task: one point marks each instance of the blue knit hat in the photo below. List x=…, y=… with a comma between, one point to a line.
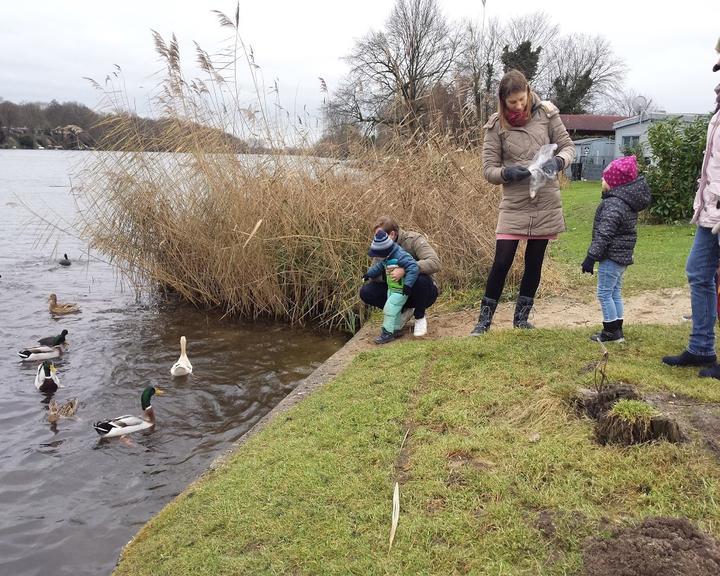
x=381, y=245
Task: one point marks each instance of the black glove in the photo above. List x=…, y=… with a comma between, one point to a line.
x=514, y=173
x=366, y=277
x=588, y=265
x=553, y=166
x=407, y=290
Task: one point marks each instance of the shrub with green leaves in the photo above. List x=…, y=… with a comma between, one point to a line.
x=677, y=149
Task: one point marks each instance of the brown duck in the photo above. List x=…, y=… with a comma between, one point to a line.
x=56, y=308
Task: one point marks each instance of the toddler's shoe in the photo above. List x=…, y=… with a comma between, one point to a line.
x=384, y=337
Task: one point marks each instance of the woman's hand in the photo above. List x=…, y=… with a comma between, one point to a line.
x=514, y=173
x=397, y=273
x=553, y=166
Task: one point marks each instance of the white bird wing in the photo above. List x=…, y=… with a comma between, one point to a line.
x=128, y=420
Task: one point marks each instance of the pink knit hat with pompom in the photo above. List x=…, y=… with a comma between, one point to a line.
x=621, y=171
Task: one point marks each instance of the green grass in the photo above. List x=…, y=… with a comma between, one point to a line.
x=492, y=446
x=633, y=410
x=660, y=252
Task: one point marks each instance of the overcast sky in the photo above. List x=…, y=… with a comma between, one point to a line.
x=48, y=46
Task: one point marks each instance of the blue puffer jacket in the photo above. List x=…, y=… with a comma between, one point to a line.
x=614, y=231
x=404, y=260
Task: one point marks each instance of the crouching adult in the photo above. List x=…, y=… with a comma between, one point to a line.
x=424, y=290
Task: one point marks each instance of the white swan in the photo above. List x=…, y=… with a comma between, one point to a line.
x=182, y=367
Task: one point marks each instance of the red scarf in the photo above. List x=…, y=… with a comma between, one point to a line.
x=517, y=118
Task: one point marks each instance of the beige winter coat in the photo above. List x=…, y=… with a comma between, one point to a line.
x=520, y=214
x=419, y=248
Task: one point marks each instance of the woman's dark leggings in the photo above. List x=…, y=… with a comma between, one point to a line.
x=504, y=256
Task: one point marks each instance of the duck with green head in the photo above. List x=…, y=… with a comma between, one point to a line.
x=128, y=424
x=46, y=379
x=54, y=340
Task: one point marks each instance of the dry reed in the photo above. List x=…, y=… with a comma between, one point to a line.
x=274, y=235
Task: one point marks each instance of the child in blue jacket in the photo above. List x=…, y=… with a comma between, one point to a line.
x=392, y=255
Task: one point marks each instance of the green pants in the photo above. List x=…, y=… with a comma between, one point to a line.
x=392, y=309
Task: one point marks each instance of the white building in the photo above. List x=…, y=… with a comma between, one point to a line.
x=634, y=130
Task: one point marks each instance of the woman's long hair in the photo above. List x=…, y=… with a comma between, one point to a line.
x=512, y=82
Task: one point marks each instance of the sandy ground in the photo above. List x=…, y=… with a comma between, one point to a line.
x=655, y=307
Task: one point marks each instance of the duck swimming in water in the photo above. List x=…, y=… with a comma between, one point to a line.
x=56, y=308
x=46, y=379
x=128, y=424
x=67, y=409
x=41, y=353
x=54, y=340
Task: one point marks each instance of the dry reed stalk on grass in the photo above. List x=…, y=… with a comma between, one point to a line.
x=189, y=220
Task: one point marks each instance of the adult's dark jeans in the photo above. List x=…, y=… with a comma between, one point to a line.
x=424, y=294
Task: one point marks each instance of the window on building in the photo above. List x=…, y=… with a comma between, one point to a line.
x=630, y=141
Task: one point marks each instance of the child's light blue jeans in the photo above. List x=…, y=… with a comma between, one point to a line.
x=392, y=309
x=610, y=278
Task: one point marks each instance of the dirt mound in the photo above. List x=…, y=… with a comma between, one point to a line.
x=657, y=547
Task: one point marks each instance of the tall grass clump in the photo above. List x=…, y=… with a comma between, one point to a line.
x=275, y=235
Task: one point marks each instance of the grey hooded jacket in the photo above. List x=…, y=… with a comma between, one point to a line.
x=614, y=231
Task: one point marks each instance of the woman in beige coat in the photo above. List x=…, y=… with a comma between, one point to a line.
x=513, y=136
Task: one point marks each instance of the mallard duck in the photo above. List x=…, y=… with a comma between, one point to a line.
x=129, y=424
x=46, y=379
x=41, y=353
x=56, y=308
x=54, y=340
x=182, y=367
x=64, y=261
x=55, y=410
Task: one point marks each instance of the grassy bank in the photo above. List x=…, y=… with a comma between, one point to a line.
x=660, y=253
x=493, y=451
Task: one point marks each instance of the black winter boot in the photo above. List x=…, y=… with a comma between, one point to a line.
x=687, y=358
x=712, y=372
x=522, y=312
x=487, y=311
x=611, y=332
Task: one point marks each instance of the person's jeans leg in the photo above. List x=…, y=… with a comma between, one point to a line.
x=392, y=309
x=607, y=278
x=374, y=293
x=617, y=293
x=424, y=294
x=701, y=265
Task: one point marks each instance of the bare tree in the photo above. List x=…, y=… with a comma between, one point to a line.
x=540, y=32
x=392, y=72
x=582, y=70
x=479, y=67
x=627, y=102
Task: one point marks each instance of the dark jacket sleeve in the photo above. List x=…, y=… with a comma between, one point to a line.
x=411, y=269
x=376, y=269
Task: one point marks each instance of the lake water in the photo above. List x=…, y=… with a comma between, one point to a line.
x=68, y=500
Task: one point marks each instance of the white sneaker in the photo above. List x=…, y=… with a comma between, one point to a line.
x=405, y=316
x=420, y=326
